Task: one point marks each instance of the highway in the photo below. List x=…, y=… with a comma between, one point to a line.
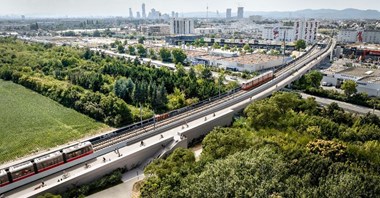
x=170, y=128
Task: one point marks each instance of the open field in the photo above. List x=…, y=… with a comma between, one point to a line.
x=30, y=122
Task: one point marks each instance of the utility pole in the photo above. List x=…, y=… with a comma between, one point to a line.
x=154, y=121
x=140, y=114
x=374, y=104
x=284, y=46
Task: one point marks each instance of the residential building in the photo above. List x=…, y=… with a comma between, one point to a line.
x=240, y=13
x=255, y=18
x=306, y=30
x=143, y=11
x=181, y=26
x=371, y=36
x=278, y=33
x=347, y=36
x=130, y=13
x=359, y=36
x=290, y=32
x=228, y=13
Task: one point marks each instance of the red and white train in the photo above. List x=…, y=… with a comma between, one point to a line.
x=26, y=169
x=258, y=80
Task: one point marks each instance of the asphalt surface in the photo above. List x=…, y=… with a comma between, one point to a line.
x=346, y=106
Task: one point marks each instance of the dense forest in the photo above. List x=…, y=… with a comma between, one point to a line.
x=108, y=89
x=282, y=146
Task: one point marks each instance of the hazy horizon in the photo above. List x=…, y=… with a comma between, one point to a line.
x=78, y=8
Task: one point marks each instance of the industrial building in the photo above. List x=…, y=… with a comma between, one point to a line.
x=156, y=30
x=367, y=79
x=233, y=61
x=205, y=31
x=181, y=26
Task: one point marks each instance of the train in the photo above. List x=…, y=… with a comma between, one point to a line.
x=258, y=80
x=40, y=164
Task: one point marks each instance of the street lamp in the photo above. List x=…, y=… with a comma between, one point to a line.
x=374, y=103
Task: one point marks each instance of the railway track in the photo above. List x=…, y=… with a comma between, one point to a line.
x=183, y=116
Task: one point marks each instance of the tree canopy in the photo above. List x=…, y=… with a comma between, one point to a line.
x=300, y=44
x=297, y=149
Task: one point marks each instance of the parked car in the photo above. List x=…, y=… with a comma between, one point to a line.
x=326, y=84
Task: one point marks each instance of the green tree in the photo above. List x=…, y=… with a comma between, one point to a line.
x=165, y=54
x=300, y=44
x=253, y=173
x=120, y=49
x=152, y=54
x=49, y=195
x=179, y=56
x=131, y=50
x=314, y=78
x=176, y=100
x=96, y=33
x=246, y=47
x=124, y=88
x=221, y=142
x=206, y=73
x=349, y=87
x=216, y=45
x=141, y=51
x=141, y=40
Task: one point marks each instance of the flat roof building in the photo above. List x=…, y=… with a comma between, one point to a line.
x=367, y=79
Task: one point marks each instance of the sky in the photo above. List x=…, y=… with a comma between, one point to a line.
x=121, y=7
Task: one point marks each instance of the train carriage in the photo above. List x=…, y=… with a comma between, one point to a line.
x=162, y=117
x=77, y=151
x=48, y=161
x=21, y=171
x=258, y=80
x=4, y=179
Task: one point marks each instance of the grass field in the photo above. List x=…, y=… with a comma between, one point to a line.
x=30, y=122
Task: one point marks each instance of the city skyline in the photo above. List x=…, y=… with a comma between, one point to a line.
x=121, y=7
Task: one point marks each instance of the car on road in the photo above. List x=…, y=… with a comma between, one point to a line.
x=326, y=84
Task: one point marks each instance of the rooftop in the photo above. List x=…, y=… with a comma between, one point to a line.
x=252, y=59
x=356, y=71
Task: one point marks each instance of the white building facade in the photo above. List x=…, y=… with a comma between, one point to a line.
x=181, y=26
x=358, y=36
x=278, y=33
x=347, y=36
x=301, y=30
x=306, y=30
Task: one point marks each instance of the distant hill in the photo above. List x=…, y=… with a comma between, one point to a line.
x=349, y=13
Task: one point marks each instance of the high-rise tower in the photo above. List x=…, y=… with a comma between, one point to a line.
x=240, y=13
x=228, y=13
x=130, y=13
x=143, y=11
